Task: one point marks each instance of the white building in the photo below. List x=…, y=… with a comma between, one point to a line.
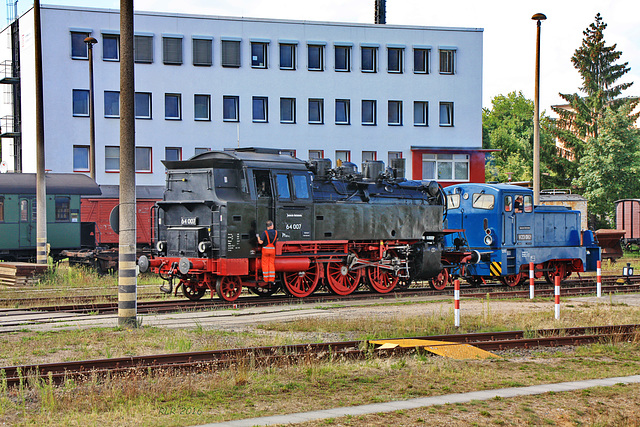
x=319, y=89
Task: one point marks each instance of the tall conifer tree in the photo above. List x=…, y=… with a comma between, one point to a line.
x=596, y=63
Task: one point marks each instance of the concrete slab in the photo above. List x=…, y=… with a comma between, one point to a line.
x=427, y=401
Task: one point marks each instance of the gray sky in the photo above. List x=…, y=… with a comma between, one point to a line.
x=509, y=32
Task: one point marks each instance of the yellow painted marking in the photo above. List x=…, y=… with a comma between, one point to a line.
x=442, y=348
x=127, y=312
x=495, y=268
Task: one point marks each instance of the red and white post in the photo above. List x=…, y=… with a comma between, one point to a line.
x=456, y=302
x=599, y=279
x=557, y=294
x=532, y=277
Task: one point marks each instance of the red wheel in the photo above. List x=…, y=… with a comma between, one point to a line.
x=512, y=280
x=342, y=281
x=381, y=280
x=191, y=290
x=303, y=283
x=440, y=281
x=229, y=287
x=556, y=268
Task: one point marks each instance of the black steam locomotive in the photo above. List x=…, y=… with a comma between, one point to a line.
x=336, y=226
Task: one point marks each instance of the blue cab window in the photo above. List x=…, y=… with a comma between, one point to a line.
x=284, y=192
x=301, y=186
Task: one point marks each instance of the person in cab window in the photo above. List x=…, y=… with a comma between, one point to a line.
x=517, y=205
x=268, y=240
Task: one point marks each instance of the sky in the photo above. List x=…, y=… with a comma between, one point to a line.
x=509, y=33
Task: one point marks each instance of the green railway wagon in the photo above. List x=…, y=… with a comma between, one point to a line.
x=18, y=211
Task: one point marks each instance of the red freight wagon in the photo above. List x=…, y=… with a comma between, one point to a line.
x=628, y=219
x=98, y=210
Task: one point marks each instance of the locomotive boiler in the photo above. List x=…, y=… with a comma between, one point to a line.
x=337, y=227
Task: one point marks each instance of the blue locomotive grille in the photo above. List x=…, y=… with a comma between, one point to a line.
x=496, y=268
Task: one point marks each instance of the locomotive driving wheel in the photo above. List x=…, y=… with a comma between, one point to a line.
x=440, y=281
x=229, y=287
x=341, y=280
x=512, y=280
x=381, y=279
x=554, y=269
x=302, y=283
x=191, y=290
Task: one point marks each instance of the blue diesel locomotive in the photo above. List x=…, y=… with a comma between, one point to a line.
x=502, y=224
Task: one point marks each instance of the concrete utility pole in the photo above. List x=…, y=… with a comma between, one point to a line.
x=536, y=119
x=90, y=41
x=127, y=280
x=41, y=189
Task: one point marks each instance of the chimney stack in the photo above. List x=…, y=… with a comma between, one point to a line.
x=381, y=12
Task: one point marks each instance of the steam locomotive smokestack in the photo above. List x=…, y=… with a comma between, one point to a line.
x=381, y=12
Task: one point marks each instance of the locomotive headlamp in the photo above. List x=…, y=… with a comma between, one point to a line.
x=488, y=239
x=161, y=246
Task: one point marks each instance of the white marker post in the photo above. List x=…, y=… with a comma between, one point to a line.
x=599, y=279
x=557, y=294
x=456, y=301
x=532, y=277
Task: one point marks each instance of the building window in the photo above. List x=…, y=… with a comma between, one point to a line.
x=315, y=57
x=445, y=167
x=202, y=52
x=110, y=47
x=287, y=110
x=395, y=113
x=420, y=113
x=287, y=56
x=172, y=50
x=342, y=156
x=446, y=114
x=316, y=154
x=143, y=49
x=369, y=156
x=111, y=159
x=343, y=112
x=230, y=108
x=369, y=60
x=80, y=103
x=201, y=150
x=258, y=55
x=260, y=109
x=111, y=104
x=1, y=208
x=63, y=208
x=394, y=59
x=231, y=53
x=343, y=58
x=173, y=153
x=369, y=112
x=172, y=106
x=143, y=159
x=79, y=48
x=202, y=107
x=447, y=61
x=316, y=111
x=142, y=105
x=421, y=61
x=393, y=155
x=81, y=158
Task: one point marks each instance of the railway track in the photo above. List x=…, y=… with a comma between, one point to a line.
x=278, y=355
x=575, y=287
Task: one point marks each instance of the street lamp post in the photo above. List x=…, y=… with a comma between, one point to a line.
x=90, y=41
x=536, y=119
